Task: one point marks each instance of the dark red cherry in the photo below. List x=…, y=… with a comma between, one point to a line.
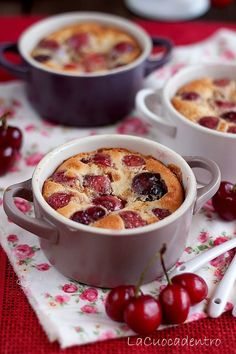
x=175, y=304
x=9, y=135
x=100, y=184
x=195, y=286
x=221, y=82
x=14, y=137
x=123, y=47
x=133, y=160
x=89, y=215
x=132, y=219
x=225, y=104
x=48, y=44
x=3, y=135
x=224, y=201
x=41, y=58
x=209, y=122
x=7, y=158
x=77, y=41
x=232, y=129
x=190, y=96
x=117, y=300
x=59, y=200
x=174, y=299
x=161, y=213
x=81, y=217
x=61, y=177
x=10, y=144
x=229, y=116
x=102, y=159
x=149, y=184
x=143, y=314
x=95, y=213
x=109, y=202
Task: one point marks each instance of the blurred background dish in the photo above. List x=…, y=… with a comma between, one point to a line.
x=169, y=10
x=82, y=99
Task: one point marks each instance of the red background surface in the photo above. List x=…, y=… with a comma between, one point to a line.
x=20, y=332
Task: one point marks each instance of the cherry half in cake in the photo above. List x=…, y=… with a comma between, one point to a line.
x=86, y=48
x=208, y=102
x=114, y=189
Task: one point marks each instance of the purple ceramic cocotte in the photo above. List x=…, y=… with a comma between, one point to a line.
x=103, y=257
x=94, y=99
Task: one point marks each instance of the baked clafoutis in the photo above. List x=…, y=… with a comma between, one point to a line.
x=114, y=189
x=86, y=48
x=209, y=102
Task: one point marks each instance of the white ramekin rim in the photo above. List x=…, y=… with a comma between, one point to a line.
x=175, y=115
x=140, y=34
x=187, y=204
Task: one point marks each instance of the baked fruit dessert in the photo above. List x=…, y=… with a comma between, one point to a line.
x=86, y=48
x=114, y=189
x=209, y=102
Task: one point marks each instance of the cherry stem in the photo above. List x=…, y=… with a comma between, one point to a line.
x=162, y=251
x=234, y=188
x=3, y=119
x=149, y=264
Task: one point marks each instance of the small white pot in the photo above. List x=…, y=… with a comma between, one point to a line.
x=182, y=135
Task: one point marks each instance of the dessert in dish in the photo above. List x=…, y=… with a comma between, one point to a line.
x=114, y=189
x=209, y=102
x=86, y=48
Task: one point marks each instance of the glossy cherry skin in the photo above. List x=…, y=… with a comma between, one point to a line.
x=7, y=158
x=175, y=304
x=14, y=137
x=224, y=201
x=10, y=136
x=117, y=300
x=221, y=3
x=143, y=314
x=195, y=286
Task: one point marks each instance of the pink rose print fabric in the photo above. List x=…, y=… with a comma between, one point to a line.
x=72, y=313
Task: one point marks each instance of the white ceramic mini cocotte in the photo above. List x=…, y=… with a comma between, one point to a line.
x=179, y=133
x=102, y=257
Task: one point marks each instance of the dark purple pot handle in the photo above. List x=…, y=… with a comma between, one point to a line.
x=19, y=70
x=153, y=64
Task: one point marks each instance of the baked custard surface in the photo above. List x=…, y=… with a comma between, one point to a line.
x=114, y=189
x=209, y=102
x=86, y=48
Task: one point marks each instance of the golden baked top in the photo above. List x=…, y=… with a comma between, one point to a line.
x=113, y=189
x=208, y=102
x=85, y=48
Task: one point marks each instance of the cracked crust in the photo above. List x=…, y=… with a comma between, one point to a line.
x=120, y=176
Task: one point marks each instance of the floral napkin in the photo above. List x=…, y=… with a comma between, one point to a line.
x=70, y=312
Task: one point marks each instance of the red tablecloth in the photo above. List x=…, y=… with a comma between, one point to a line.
x=20, y=332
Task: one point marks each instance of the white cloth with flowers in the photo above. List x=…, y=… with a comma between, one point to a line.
x=70, y=312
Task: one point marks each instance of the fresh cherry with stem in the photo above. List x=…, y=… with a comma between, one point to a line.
x=194, y=284
x=116, y=301
x=9, y=135
x=174, y=299
x=142, y=313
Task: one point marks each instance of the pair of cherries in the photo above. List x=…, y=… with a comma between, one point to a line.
x=144, y=313
x=10, y=144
